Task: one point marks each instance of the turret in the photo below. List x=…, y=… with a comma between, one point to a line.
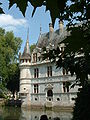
x=24, y=65
x=51, y=30
x=60, y=26
x=26, y=57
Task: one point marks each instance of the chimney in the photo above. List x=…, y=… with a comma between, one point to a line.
x=51, y=30
x=60, y=26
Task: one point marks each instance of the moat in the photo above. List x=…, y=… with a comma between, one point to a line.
x=14, y=113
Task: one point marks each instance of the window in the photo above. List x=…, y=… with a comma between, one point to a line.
x=49, y=71
x=35, y=88
x=66, y=86
x=58, y=99
x=36, y=99
x=35, y=57
x=24, y=88
x=36, y=73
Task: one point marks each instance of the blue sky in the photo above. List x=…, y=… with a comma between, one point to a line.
x=13, y=20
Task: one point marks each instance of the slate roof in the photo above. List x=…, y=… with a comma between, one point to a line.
x=26, y=53
x=56, y=37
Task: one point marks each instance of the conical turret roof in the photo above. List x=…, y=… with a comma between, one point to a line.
x=26, y=52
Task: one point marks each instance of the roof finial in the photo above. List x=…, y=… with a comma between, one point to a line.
x=28, y=34
x=27, y=50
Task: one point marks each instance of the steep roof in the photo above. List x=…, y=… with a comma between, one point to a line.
x=26, y=53
x=56, y=37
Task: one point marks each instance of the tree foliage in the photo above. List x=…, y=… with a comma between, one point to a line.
x=63, y=9
x=32, y=47
x=13, y=83
x=82, y=106
x=9, y=48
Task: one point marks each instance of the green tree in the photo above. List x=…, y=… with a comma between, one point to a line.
x=32, y=47
x=9, y=48
x=13, y=83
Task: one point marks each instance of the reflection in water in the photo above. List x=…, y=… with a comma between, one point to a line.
x=35, y=115
x=10, y=113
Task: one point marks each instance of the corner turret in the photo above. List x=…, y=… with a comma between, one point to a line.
x=26, y=56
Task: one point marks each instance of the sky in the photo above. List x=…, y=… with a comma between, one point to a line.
x=13, y=20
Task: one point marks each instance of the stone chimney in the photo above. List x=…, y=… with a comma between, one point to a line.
x=60, y=27
x=51, y=30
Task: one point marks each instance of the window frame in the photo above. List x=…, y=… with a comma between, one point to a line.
x=36, y=88
x=49, y=71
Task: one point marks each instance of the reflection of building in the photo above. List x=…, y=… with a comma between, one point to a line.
x=27, y=114
x=41, y=84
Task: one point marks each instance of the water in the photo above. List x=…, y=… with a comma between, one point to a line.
x=10, y=113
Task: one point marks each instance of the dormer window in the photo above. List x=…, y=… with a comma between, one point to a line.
x=35, y=57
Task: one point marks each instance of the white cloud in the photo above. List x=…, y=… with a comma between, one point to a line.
x=9, y=23
x=8, y=20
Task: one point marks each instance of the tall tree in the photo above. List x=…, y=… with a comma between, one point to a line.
x=9, y=48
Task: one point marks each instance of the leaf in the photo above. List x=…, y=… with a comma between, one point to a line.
x=22, y=4
x=1, y=11
x=11, y=3
x=56, y=8
x=33, y=11
x=35, y=4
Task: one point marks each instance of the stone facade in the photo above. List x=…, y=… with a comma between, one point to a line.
x=41, y=84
